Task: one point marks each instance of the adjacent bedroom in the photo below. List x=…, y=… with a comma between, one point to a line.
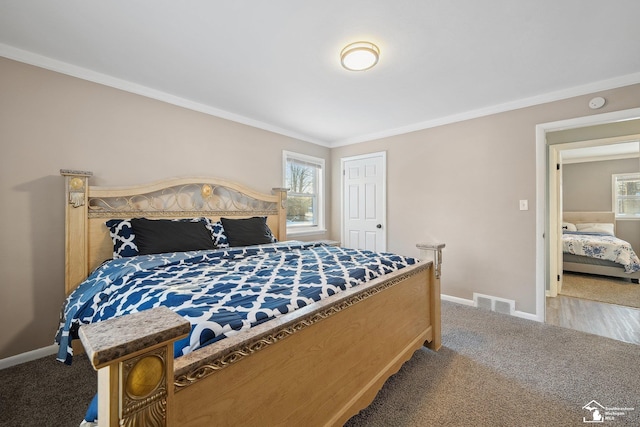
x=598, y=290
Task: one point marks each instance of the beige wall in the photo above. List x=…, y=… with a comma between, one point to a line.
x=460, y=184
x=50, y=121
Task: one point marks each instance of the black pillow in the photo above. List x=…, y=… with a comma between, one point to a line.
x=163, y=235
x=247, y=231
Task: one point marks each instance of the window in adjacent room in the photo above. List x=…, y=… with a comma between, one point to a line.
x=626, y=195
x=304, y=177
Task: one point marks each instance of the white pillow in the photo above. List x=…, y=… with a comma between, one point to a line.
x=569, y=226
x=595, y=227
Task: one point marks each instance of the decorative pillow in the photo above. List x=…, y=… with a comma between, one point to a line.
x=596, y=227
x=121, y=232
x=569, y=226
x=164, y=235
x=218, y=234
x=247, y=231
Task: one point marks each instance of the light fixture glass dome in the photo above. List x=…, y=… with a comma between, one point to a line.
x=359, y=56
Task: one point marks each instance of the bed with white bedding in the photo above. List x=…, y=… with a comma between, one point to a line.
x=590, y=246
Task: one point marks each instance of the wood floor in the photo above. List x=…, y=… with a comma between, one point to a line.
x=608, y=320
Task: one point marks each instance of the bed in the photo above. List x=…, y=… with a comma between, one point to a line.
x=590, y=246
x=319, y=364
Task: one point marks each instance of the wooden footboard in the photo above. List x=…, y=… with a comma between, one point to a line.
x=315, y=366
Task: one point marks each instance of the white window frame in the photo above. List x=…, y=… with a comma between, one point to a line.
x=319, y=227
x=614, y=194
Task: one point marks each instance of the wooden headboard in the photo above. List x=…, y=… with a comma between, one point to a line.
x=87, y=239
x=580, y=217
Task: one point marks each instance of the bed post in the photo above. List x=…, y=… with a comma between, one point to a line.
x=76, y=244
x=133, y=355
x=282, y=212
x=433, y=252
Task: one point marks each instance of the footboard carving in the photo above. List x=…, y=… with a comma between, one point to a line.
x=135, y=365
x=144, y=391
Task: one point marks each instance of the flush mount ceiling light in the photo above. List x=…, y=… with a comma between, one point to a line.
x=359, y=56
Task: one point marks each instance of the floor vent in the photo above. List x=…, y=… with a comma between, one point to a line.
x=490, y=303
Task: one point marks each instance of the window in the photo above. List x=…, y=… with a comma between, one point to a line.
x=626, y=195
x=304, y=177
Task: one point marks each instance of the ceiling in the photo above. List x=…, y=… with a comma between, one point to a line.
x=624, y=150
x=275, y=65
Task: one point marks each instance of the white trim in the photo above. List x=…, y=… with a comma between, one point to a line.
x=96, y=77
x=541, y=221
x=528, y=316
x=469, y=302
x=138, y=89
x=457, y=300
x=541, y=188
x=320, y=227
x=614, y=194
x=28, y=356
x=590, y=88
x=306, y=232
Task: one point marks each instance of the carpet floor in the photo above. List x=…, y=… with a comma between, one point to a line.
x=600, y=288
x=493, y=370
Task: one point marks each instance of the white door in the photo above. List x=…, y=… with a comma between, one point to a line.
x=364, y=202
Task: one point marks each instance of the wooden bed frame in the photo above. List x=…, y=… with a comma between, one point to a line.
x=319, y=365
x=602, y=270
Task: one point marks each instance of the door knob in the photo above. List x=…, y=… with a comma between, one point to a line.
x=379, y=226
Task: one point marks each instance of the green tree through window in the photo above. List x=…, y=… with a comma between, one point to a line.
x=303, y=178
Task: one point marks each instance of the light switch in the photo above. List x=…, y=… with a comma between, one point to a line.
x=524, y=205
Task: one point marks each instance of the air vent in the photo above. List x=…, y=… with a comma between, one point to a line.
x=483, y=302
x=491, y=303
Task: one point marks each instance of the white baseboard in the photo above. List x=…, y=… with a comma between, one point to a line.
x=529, y=316
x=457, y=300
x=28, y=356
x=470, y=303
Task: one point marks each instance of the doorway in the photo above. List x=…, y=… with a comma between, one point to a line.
x=364, y=202
x=598, y=198
x=548, y=223
x=543, y=270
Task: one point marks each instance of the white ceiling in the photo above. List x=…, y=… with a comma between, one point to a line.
x=624, y=150
x=274, y=64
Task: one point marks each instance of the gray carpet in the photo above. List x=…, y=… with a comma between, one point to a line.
x=493, y=370
x=497, y=370
x=611, y=290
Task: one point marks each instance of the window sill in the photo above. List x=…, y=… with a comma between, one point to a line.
x=305, y=232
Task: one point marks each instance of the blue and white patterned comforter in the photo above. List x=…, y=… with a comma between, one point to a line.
x=220, y=291
x=601, y=246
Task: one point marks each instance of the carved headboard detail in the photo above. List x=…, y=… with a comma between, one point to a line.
x=88, y=243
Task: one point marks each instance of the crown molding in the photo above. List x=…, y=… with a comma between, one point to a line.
x=104, y=79
x=626, y=80
x=127, y=86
